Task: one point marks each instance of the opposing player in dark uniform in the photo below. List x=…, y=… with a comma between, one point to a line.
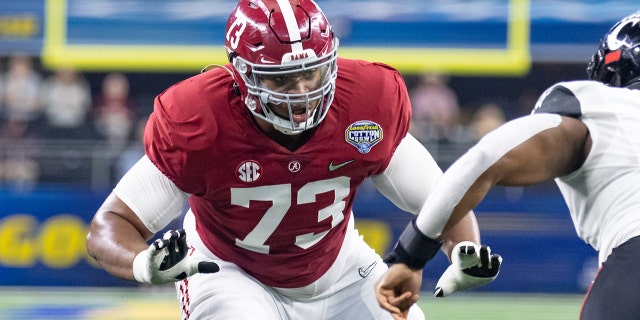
x=586, y=135
x=269, y=152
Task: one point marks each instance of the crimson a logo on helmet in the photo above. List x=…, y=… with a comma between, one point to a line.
x=249, y=171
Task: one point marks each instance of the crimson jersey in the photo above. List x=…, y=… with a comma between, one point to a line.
x=280, y=215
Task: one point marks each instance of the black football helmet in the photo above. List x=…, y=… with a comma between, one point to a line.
x=617, y=61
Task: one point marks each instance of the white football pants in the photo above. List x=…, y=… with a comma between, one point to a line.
x=346, y=291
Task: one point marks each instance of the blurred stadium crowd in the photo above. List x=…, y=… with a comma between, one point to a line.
x=56, y=128
x=65, y=126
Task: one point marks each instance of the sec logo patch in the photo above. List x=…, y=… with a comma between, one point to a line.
x=249, y=171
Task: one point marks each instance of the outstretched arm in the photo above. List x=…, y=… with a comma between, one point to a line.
x=410, y=178
x=407, y=181
x=522, y=152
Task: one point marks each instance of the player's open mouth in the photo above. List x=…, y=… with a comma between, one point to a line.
x=300, y=115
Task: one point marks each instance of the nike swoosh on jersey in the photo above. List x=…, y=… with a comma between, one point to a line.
x=334, y=167
x=364, y=272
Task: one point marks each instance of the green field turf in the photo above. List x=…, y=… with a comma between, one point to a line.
x=160, y=304
x=504, y=306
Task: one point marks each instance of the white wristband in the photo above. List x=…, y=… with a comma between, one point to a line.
x=141, y=270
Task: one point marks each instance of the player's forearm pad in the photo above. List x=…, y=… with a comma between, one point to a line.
x=413, y=248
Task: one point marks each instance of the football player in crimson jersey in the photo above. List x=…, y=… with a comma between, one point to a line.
x=583, y=134
x=269, y=151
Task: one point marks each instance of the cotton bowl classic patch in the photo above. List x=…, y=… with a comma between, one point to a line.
x=363, y=135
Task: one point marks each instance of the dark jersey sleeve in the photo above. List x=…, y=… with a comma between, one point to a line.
x=559, y=100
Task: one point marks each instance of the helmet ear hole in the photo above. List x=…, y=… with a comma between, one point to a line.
x=232, y=55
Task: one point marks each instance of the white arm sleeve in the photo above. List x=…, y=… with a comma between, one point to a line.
x=410, y=176
x=154, y=198
x=457, y=180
